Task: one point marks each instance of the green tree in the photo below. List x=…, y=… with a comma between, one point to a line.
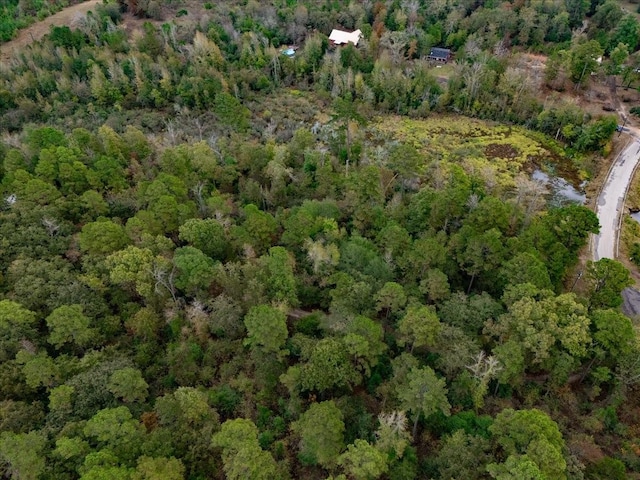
x=617, y=58
x=525, y=267
x=606, y=279
x=627, y=33
x=69, y=448
x=196, y=271
x=419, y=327
x=44, y=137
x=116, y=429
x=102, y=237
x=103, y=472
x=463, y=456
x=482, y=253
x=133, y=266
x=158, y=469
x=597, y=134
x=258, y=230
x=584, y=60
x=231, y=112
x=516, y=467
x=543, y=328
x=44, y=284
x=23, y=454
x=242, y=456
x=613, y=333
x=435, y=285
x=606, y=469
x=346, y=112
x=129, y=385
x=145, y=323
x=422, y=393
x=186, y=406
x=391, y=298
x=469, y=313
x=321, y=431
x=93, y=205
x=16, y=323
x=18, y=416
x=266, y=328
x=62, y=167
x=278, y=277
x=351, y=296
x=326, y=364
x=206, y=235
x=533, y=434
x=68, y=324
x=362, y=461
x=39, y=369
x=61, y=399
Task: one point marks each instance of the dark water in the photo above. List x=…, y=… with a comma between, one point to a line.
x=561, y=192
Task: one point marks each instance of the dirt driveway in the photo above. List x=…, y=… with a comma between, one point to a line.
x=40, y=29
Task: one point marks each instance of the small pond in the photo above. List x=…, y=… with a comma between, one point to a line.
x=635, y=216
x=561, y=192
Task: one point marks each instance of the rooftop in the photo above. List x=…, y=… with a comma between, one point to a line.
x=339, y=37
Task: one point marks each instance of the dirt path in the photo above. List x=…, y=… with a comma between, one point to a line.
x=40, y=29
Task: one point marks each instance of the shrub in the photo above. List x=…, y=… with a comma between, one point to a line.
x=606, y=469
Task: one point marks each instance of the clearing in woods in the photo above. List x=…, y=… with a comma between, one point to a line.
x=39, y=29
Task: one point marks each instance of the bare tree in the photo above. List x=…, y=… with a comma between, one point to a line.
x=483, y=369
x=171, y=132
x=530, y=195
x=51, y=225
x=395, y=43
x=411, y=7
x=164, y=274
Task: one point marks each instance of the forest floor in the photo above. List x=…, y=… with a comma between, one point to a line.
x=38, y=30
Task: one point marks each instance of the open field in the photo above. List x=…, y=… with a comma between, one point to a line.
x=487, y=149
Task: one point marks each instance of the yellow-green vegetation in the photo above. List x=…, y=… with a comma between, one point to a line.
x=629, y=234
x=633, y=196
x=443, y=71
x=629, y=246
x=483, y=148
x=630, y=230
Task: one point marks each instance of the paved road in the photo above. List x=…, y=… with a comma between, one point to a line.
x=611, y=200
x=631, y=302
x=609, y=210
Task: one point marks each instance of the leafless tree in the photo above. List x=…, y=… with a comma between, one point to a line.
x=164, y=275
x=395, y=43
x=484, y=367
x=51, y=225
x=171, y=132
x=411, y=7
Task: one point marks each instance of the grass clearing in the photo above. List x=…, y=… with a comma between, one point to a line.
x=629, y=7
x=486, y=149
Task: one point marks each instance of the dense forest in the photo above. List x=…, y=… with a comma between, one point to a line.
x=218, y=261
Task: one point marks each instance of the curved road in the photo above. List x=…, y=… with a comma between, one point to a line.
x=611, y=200
x=610, y=208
